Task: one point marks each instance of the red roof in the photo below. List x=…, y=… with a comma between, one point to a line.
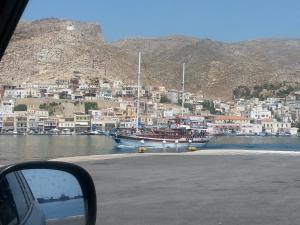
x=222, y=117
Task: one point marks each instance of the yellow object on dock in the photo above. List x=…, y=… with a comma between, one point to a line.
x=142, y=149
x=192, y=149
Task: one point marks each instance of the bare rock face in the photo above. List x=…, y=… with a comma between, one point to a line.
x=50, y=49
x=45, y=50
x=216, y=68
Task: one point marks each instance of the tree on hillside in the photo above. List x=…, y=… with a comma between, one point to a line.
x=43, y=106
x=209, y=105
x=164, y=99
x=90, y=106
x=20, y=107
x=242, y=92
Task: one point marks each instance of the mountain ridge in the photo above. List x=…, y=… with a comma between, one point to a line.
x=49, y=49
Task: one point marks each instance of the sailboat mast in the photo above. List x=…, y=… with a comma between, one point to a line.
x=138, y=94
x=182, y=97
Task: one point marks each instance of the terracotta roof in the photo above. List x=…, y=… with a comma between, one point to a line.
x=222, y=117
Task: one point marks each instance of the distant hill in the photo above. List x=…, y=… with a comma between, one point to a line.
x=50, y=49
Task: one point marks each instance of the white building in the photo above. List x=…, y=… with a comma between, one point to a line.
x=272, y=126
x=117, y=83
x=32, y=93
x=66, y=124
x=168, y=113
x=294, y=131
x=250, y=128
x=15, y=93
x=173, y=96
x=259, y=113
x=127, y=124
x=7, y=107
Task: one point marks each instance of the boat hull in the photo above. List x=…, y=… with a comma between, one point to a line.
x=158, y=143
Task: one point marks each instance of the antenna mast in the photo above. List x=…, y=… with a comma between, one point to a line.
x=138, y=95
x=182, y=99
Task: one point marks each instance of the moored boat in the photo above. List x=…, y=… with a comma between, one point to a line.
x=178, y=134
x=171, y=138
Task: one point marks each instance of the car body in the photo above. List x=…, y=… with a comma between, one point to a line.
x=18, y=203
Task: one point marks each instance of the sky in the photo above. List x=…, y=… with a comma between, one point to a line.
x=221, y=20
x=47, y=183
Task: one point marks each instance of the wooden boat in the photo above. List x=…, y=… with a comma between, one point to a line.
x=167, y=138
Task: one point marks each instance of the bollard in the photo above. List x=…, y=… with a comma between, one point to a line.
x=192, y=149
x=142, y=149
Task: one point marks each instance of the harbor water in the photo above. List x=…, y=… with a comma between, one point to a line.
x=30, y=147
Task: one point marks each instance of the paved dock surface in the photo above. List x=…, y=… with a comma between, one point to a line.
x=247, y=189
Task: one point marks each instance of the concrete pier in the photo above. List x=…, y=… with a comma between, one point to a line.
x=207, y=187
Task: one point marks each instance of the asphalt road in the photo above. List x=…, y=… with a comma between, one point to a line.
x=198, y=190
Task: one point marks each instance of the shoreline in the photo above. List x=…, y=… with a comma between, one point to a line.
x=216, y=152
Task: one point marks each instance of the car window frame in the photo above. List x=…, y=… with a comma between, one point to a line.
x=15, y=217
x=22, y=218
x=29, y=196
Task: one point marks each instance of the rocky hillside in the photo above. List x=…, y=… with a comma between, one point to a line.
x=50, y=49
x=216, y=68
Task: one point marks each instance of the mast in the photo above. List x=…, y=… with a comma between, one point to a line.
x=138, y=95
x=182, y=97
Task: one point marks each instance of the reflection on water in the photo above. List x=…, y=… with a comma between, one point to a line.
x=20, y=148
x=63, y=209
x=30, y=147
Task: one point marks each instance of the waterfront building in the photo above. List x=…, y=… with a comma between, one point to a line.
x=21, y=123
x=66, y=124
x=110, y=122
x=250, y=129
x=49, y=125
x=272, y=126
x=223, y=119
x=146, y=119
x=294, y=131
x=82, y=122
x=160, y=122
x=96, y=121
x=33, y=123
x=223, y=128
x=127, y=124
x=8, y=122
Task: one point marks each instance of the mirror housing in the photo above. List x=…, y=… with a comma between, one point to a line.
x=83, y=177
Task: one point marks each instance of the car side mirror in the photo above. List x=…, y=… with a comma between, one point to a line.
x=46, y=193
